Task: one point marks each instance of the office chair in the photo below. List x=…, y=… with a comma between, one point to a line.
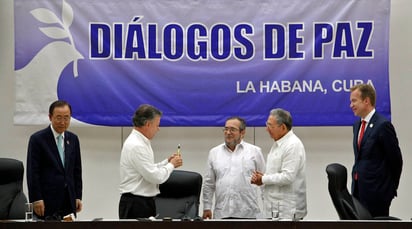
x=346, y=205
x=179, y=196
x=12, y=198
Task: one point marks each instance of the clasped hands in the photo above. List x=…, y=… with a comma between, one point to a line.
x=176, y=160
x=256, y=178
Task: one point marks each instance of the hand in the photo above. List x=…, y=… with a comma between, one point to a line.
x=256, y=178
x=172, y=156
x=207, y=214
x=79, y=205
x=176, y=160
x=38, y=207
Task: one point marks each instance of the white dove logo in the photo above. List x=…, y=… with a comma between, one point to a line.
x=36, y=83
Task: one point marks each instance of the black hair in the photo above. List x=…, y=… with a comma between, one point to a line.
x=145, y=113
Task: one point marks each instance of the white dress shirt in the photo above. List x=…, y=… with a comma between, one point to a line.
x=367, y=120
x=285, y=178
x=228, y=180
x=55, y=134
x=139, y=175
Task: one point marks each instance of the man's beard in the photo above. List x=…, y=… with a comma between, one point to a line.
x=232, y=143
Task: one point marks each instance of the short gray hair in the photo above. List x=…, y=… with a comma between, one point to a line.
x=282, y=117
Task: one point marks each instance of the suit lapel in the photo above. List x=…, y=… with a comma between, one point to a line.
x=67, y=148
x=355, y=137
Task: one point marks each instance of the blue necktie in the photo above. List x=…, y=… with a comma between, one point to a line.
x=60, y=147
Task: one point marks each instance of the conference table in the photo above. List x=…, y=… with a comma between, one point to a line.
x=215, y=224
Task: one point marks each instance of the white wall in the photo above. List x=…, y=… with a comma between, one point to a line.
x=101, y=145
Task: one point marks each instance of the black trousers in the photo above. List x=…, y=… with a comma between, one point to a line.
x=377, y=207
x=133, y=207
x=58, y=214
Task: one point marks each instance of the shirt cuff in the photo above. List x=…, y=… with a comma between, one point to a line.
x=170, y=166
x=264, y=179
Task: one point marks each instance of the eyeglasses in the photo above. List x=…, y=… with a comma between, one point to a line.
x=230, y=129
x=270, y=126
x=62, y=118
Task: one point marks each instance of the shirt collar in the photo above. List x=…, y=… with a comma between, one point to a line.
x=369, y=116
x=285, y=137
x=55, y=134
x=236, y=147
x=139, y=134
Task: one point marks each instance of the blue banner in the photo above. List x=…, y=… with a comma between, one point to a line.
x=199, y=61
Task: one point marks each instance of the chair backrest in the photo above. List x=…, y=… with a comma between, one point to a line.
x=12, y=198
x=179, y=195
x=347, y=206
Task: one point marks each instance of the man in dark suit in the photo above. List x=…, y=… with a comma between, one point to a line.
x=378, y=160
x=54, y=171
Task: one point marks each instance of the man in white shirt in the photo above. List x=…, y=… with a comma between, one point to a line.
x=284, y=182
x=229, y=169
x=139, y=175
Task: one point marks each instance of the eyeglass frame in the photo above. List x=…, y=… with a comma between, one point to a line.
x=59, y=118
x=230, y=129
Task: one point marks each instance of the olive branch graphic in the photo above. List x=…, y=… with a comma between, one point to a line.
x=48, y=17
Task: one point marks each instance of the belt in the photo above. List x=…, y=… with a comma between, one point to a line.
x=128, y=194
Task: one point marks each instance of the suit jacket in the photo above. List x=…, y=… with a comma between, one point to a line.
x=378, y=162
x=47, y=179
